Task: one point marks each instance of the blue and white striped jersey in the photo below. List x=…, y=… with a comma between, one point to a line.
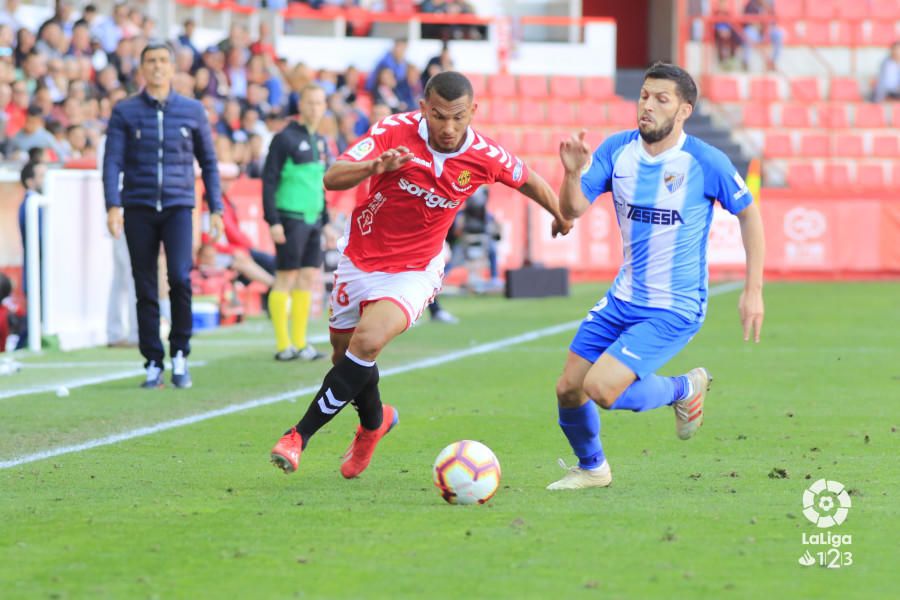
x=664, y=206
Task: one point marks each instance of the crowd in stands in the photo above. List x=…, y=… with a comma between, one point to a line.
x=58, y=85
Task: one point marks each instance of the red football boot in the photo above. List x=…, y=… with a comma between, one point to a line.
x=286, y=453
x=358, y=455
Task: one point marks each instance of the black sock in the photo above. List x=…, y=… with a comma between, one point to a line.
x=434, y=307
x=342, y=384
x=368, y=404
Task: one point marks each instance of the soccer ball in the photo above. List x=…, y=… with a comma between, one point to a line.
x=467, y=472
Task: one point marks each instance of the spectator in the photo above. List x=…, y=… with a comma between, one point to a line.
x=77, y=140
x=32, y=178
x=888, y=84
x=727, y=38
x=438, y=64
x=385, y=91
x=32, y=135
x=755, y=33
x=10, y=16
x=17, y=109
x=24, y=45
x=185, y=42
x=409, y=90
x=395, y=60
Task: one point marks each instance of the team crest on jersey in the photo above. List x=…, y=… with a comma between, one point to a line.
x=464, y=178
x=673, y=181
x=362, y=148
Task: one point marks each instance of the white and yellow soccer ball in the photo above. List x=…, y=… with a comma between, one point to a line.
x=467, y=472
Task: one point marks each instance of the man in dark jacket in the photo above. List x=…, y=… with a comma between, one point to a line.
x=152, y=139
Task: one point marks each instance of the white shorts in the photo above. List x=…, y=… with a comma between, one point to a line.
x=353, y=289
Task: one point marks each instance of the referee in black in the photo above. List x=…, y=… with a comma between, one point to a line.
x=294, y=208
x=151, y=141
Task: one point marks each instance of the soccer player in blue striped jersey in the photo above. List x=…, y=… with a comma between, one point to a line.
x=663, y=185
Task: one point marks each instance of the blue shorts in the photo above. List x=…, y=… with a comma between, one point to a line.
x=643, y=339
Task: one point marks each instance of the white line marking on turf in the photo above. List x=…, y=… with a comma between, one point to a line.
x=80, y=382
x=265, y=401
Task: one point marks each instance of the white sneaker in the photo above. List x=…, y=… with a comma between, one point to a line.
x=577, y=478
x=689, y=412
x=309, y=353
x=289, y=353
x=442, y=316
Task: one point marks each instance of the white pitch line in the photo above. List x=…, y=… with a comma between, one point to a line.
x=80, y=382
x=265, y=401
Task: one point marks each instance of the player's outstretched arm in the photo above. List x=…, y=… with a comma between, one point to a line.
x=536, y=188
x=750, y=304
x=345, y=174
x=574, y=154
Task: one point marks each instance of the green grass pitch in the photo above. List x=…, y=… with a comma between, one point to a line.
x=197, y=512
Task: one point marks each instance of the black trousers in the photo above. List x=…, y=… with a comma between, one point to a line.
x=145, y=229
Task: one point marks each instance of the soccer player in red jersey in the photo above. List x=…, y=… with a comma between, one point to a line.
x=423, y=165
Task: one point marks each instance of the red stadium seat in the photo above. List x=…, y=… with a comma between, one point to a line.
x=886, y=146
x=564, y=86
x=882, y=33
x=536, y=141
x=598, y=88
x=721, y=88
x=886, y=9
x=592, y=113
x=532, y=112
x=833, y=116
x=479, y=84
x=821, y=9
x=817, y=33
x=805, y=89
x=895, y=175
x=561, y=112
x=764, y=89
x=401, y=7
x=789, y=9
x=623, y=114
x=795, y=115
x=844, y=89
x=837, y=175
x=501, y=85
x=895, y=117
x=779, y=145
x=814, y=145
x=532, y=86
x=846, y=32
x=870, y=175
x=502, y=112
x=869, y=116
x=849, y=145
x=508, y=138
x=802, y=175
x=757, y=115
x=853, y=10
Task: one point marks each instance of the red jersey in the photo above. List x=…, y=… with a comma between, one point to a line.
x=401, y=224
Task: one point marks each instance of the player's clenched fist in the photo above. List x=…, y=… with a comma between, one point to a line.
x=391, y=160
x=561, y=226
x=574, y=152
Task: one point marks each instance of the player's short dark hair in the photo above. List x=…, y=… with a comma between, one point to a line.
x=449, y=85
x=28, y=172
x=684, y=83
x=158, y=45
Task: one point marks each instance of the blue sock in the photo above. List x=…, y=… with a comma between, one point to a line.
x=582, y=426
x=650, y=392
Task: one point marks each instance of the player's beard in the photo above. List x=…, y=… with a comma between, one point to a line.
x=651, y=136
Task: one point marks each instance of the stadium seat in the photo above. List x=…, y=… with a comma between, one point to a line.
x=597, y=88
x=895, y=174
x=833, y=116
x=757, y=115
x=502, y=86
x=814, y=145
x=848, y=145
x=721, y=88
x=886, y=9
x=561, y=112
x=532, y=86
x=802, y=175
x=509, y=138
x=536, y=141
x=623, y=114
x=532, y=112
x=837, y=175
x=564, y=86
x=870, y=175
x=895, y=117
x=788, y=10
x=764, y=89
x=869, y=116
x=881, y=33
x=592, y=113
x=816, y=33
x=821, y=9
x=805, y=89
x=846, y=33
x=844, y=89
x=886, y=146
x=401, y=7
x=779, y=145
x=503, y=112
x=795, y=115
x=853, y=11
x=479, y=84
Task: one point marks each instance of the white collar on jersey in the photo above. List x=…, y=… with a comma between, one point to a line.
x=440, y=157
x=645, y=156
